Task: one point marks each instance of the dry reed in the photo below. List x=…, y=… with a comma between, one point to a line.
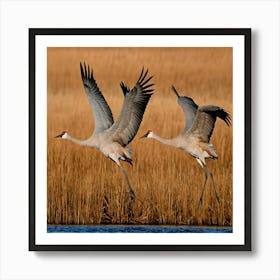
x=85, y=187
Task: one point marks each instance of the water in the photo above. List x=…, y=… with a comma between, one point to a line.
x=137, y=229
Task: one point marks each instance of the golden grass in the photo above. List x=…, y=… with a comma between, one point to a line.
x=85, y=187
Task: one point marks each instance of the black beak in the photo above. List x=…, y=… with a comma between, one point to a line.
x=58, y=136
x=144, y=136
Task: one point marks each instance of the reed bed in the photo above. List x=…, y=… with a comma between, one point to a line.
x=85, y=187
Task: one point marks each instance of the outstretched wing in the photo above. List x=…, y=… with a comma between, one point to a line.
x=205, y=119
x=103, y=118
x=189, y=108
x=134, y=105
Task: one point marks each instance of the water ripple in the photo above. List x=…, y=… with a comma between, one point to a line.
x=137, y=229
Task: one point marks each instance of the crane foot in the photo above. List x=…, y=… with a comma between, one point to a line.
x=200, y=202
x=132, y=195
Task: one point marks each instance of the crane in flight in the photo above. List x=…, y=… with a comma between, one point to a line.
x=194, y=139
x=109, y=137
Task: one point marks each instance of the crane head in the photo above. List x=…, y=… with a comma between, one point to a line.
x=63, y=134
x=147, y=134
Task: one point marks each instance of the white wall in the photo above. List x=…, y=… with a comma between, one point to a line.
x=16, y=262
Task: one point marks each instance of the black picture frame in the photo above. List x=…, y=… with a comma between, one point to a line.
x=243, y=32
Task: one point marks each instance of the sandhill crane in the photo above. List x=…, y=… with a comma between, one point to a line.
x=109, y=137
x=194, y=139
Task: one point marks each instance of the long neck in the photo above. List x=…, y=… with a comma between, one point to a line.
x=165, y=141
x=77, y=141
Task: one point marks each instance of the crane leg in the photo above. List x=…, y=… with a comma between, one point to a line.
x=115, y=158
x=207, y=172
x=216, y=193
x=131, y=191
x=203, y=188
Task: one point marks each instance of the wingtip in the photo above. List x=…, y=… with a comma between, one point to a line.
x=124, y=88
x=226, y=117
x=143, y=75
x=82, y=70
x=142, y=71
x=175, y=91
x=86, y=71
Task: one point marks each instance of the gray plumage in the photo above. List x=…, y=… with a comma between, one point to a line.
x=109, y=137
x=103, y=118
x=204, y=121
x=189, y=108
x=135, y=102
x=195, y=137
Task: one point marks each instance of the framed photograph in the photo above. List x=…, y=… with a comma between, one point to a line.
x=140, y=139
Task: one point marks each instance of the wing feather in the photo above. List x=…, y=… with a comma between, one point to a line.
x=189, y=108
x=134, y=106
x=103, y=118
x=205, y=119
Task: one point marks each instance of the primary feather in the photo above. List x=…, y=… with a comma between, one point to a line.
x=189, y=108
x=103, y=118
x=134, y=105
x=205, y=119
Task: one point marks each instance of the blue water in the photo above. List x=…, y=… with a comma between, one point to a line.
x=137, y=229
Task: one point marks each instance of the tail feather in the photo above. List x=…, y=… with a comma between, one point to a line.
x=129, y=160
x=129, y=151
x=213, y=150
x=127, y=155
